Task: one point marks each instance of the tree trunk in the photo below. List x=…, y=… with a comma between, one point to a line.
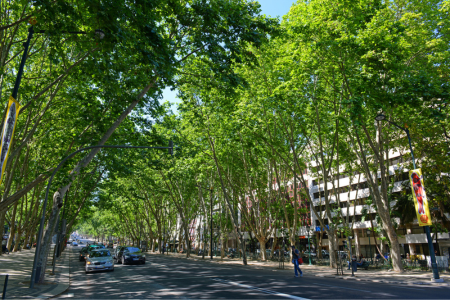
x=262, y=248
x=357, y=243
x=47, y=239
x=274, y=244
x=2, y=222
x=319, y=248
x=12, y=230
x=333, y=248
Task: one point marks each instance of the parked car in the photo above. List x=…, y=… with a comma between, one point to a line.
x=128, y=255
x=99, y=260
x=74, y=244
x=306, y=253
x=325, y=254
x=343, y=254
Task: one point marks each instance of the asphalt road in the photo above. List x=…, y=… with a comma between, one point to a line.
x=172, y=278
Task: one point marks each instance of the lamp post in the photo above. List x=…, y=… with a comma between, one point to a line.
x=98, y=32
x=35, y=273
x=370, y=249
x=308, y=228
x=381, y=117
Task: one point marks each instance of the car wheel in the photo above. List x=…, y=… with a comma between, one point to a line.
x=143, y=262
x=123, y=261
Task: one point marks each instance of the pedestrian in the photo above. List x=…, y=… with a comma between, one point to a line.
x=4, y=248
x=163, y=249
x=295, y=257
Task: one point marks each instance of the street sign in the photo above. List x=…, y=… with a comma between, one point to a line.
x=302, y=237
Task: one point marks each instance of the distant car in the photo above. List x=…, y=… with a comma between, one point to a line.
x=343, y=254
x=312, y=253
x=83, y=253
x=128, y=255
x=325, y=254
x=75, y=244
x=99, y=260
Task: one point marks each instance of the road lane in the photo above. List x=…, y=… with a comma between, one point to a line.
x=174, y=278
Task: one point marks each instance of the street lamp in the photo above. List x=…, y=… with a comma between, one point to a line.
x=308, y=228
x=370, y=249
x=381, y=117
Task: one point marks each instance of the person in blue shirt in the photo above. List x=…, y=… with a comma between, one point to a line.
x=295, y=257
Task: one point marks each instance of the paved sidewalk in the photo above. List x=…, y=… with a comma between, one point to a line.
x=19, y=264
x=408, y=278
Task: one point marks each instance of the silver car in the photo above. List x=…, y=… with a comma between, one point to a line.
x=99, y=260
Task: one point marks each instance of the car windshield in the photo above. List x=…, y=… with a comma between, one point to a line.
x=100, y=253
x=131, y=249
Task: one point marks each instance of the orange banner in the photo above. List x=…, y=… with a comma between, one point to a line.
x=420, y=197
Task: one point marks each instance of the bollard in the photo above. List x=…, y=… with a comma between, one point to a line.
x=4, y=286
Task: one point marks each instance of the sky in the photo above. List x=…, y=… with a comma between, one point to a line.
x=271, y=8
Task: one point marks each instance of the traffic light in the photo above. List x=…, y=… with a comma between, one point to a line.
x=345, y=243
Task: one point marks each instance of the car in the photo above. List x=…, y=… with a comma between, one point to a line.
x=343, y=254
x=75, y=244
x=110, y=245
x=128, y=255
x=99, y=260
x=306, y=253
x=325, y=254
x=83, y=253
x=91, y=248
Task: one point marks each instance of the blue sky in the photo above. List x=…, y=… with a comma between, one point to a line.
x=271, y=8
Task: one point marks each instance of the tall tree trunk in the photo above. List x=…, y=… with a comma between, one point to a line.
x=12, y=231
x=47, y=239
x=2, y=222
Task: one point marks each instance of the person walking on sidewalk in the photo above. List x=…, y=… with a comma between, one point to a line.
x=295, y=257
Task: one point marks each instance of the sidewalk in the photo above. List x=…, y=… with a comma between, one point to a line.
x=407, y=278
x=19, y=265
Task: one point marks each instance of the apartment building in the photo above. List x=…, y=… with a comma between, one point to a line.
x=353, y=193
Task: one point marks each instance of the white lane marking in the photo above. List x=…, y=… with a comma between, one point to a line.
x=400, y=287
x=259, y=289
x=340, y=287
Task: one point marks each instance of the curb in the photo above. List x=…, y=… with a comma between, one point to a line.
x=385, y=281
x=64, y=284
x=399, y=282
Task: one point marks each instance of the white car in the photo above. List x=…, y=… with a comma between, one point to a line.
x=99, y=260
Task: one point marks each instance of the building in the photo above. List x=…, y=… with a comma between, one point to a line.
x=353, y=193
